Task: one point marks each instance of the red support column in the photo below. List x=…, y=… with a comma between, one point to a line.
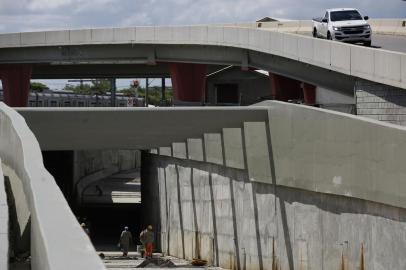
x=284, y=88
x=309, y=94
x=188, y=81
x=16, y=83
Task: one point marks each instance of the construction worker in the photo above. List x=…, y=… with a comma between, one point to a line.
x=147, y=239
x=125, y=239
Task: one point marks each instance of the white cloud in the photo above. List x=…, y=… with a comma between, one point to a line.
x=46, y=4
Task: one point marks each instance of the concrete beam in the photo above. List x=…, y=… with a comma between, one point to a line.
x=137, y=128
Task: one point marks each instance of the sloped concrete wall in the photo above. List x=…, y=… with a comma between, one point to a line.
x=218, y=213
x=54, y=229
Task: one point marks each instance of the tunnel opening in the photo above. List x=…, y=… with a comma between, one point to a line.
x=60, y=165
x=103, y=189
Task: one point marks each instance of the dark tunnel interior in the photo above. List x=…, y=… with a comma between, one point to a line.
x=104, y=221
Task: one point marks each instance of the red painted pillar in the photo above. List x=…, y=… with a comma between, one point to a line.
x=188, y=81
x=309, y=94
x=284, y=88
x=16, y=83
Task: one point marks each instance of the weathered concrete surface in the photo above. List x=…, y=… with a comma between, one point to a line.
x=93, y=165
x=50, y=213
x=4, y=224
x=19, y=213
x=218, y=213
x=57, y=129
x=381, y=102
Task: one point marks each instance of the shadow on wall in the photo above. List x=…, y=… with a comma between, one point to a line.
x=19, y=226
x=216, y=213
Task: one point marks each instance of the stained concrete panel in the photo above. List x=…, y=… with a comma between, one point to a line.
x=215, y=35
x=163, y=34
x=254, y=39
x=198, y=34
x=145, y=34
x=165, y=151
x=181, y=33
x=322, y=52
x=179, y=150
x=257, y=152
x=233, y=148
x=388, y=66
x=362, y=62
x=33, y=38
x=103, y=35
x=290, y=44
x=341, y=57
x=57, y=37
x=10, y=40
x=403, y=71
x=277, y=43
x=213, y=148
x=305, y=47
x=195, y=149
x=243, y=36
x=80, y=36
x=265, y=40
x=124, y=34
x=231, y=35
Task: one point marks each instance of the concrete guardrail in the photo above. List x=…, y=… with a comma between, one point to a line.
x=57, y=241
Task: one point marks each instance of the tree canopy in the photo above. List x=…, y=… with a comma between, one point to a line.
x=38, y=87
x=96, y=87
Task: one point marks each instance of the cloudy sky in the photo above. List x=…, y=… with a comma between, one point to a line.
x=31, y=15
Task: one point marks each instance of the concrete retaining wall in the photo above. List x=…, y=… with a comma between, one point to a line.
x=4, y=228
x=54, y=229
x=381, y=102
x=219, y=214
x=308, y=189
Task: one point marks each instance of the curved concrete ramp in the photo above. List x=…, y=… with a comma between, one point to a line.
x=56, y=236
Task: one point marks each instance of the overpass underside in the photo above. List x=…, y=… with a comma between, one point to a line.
x=128, y=60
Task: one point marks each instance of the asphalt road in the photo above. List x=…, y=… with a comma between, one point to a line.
x=388, y=42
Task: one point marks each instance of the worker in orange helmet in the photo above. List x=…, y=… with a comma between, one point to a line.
x=147, y=239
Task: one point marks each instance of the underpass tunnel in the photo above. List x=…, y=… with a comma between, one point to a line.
x=103, y=189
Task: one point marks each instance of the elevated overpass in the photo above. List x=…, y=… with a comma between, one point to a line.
x=276, y=47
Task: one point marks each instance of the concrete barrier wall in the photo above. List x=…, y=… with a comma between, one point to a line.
x=310, y=149
x=4, y=227
x=318, y=150
x=368, y=63
x=219, y=214
x=307, y=189
x=56, y=236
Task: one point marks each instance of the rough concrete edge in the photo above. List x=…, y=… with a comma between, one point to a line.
x=49, y=247
x=4, y=223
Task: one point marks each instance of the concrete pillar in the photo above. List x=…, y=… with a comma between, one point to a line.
x=16, y=83
x=188, y=82
x=284, y=89
x=309, y=94
x=113, y=92
x=163, y=89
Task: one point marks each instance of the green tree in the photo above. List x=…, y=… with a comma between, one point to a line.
x=38, y=87
x=96, y=87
